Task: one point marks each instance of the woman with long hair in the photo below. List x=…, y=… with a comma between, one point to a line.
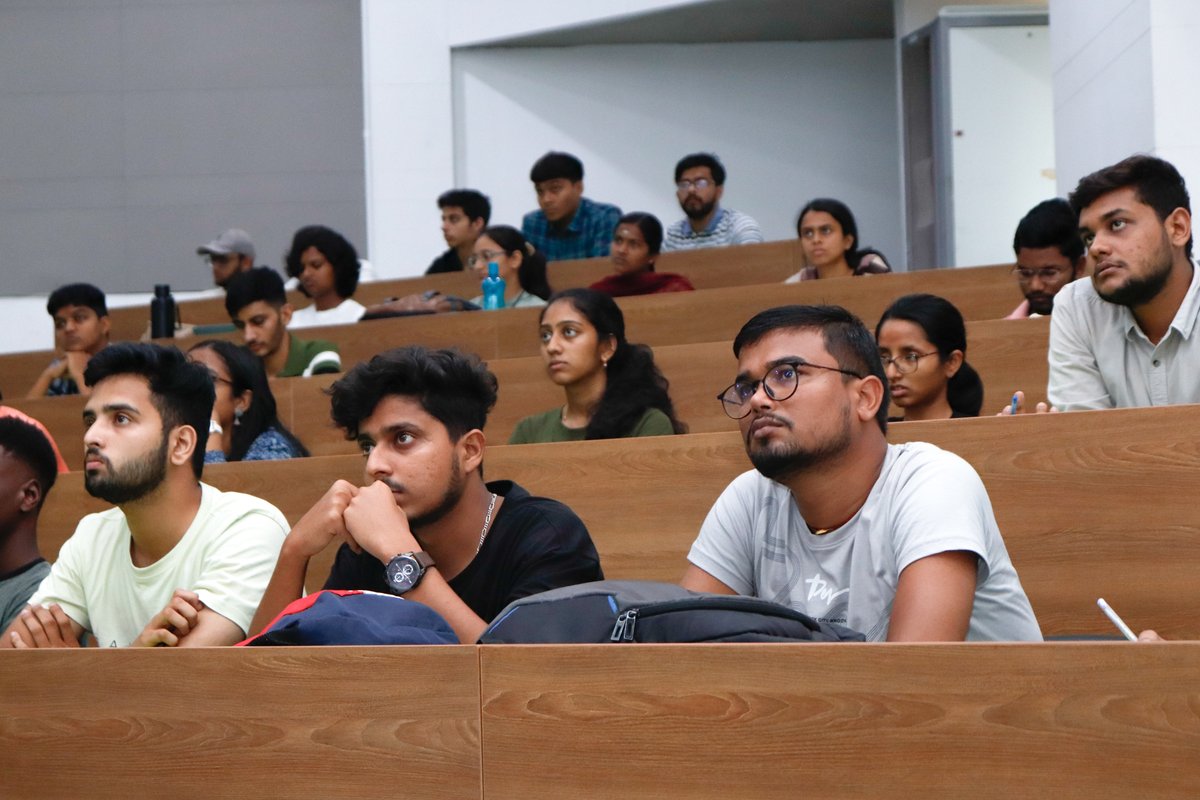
x=829, y=237
x=923, y=343
x=245, y=425
x=521, y=266
x=613, y=388
x=636, y=243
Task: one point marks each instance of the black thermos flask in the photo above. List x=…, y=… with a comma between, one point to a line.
x=162, y=313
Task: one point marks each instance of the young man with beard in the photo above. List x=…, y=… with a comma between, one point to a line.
x=465, y=213
x=1129, y=336
x=426, y=526
x=699, y=184
x=896, y=541
x=177, y=562
x=1049, y=256
x=258, y=305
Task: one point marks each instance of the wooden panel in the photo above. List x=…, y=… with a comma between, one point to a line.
x=1008, y=355
x=1091, y=504
x=712, y=268
x=237, y=723
x=706, y=315
x=841, y=721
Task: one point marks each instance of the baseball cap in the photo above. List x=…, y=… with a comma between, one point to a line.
x=234, y=240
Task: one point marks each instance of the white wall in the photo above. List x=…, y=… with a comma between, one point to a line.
x=1125, y=82
x=775, y=113
x=408, y=106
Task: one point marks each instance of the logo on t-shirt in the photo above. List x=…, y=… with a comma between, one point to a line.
x=823, y=603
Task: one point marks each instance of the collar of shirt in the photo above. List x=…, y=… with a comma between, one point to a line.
x=577, y=219
x=1185, y=318
x=711, y=227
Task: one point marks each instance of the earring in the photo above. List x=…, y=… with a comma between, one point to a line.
x=237, y=417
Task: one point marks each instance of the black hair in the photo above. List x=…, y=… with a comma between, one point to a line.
x=1157, y=184
x=246, y=372
x=181, y=390
x=944, y=328
x=651, y=228
x=532, y=272
x=556, y=165
x=77, y=294
x=845, y=336
x=453, y=387
x=475, y=205
x=840, y=212
x=701, y=160
x=251, y=286
x=336, y=249
x=27, y=443
x=1051, y=223
x=633, y=383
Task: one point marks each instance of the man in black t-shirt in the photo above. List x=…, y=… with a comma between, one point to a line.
x=427, y=526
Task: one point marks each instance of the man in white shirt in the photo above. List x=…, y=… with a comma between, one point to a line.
x=898, y=542
x=177, y=562
x=1128, y=337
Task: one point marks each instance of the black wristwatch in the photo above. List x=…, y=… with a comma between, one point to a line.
x=405, y=570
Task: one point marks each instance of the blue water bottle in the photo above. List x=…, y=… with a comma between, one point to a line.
x=493, y=288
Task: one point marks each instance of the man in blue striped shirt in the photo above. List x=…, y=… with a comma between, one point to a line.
x=567, y=224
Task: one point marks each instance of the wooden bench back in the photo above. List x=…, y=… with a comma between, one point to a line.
x=705, y=315
x=702, y=722
x=1008, y=355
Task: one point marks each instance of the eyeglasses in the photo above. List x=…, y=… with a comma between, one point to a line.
x=483, y=255
x=905, y=363
x=1045, y=273
x=779, y=383
x=699, y=183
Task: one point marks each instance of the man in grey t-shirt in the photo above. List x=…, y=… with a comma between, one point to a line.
x=28, y=468
x=896, y=541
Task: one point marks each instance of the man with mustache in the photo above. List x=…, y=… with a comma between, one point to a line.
x=1049, y=256
x=177, y=562
x=895, y=541
x=426, y=526
x=1129, y=336
x=258, y=305
x=699, y=185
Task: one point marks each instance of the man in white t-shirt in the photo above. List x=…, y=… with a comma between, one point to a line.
x=896, y=541
x=177, y=562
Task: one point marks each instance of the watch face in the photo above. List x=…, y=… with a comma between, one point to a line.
x=403, y=572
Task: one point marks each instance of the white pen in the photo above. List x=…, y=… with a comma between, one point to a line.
x=1116, y=620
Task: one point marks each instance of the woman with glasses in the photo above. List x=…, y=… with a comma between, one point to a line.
x=520, y=265
x=829, y=237
x=636, y=244
x=612, y=388
x=923, y=344
x=244, y=425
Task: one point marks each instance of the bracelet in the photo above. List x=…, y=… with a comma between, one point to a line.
x=215, y=427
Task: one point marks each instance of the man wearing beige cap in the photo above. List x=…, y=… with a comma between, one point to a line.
x=230, y=253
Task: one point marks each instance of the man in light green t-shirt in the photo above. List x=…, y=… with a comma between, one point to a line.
x=176, y=562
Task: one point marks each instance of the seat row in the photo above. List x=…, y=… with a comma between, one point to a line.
x=1090, y=504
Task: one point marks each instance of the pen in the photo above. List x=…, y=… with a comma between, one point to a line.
x=1120, y=623
x=1014, y=405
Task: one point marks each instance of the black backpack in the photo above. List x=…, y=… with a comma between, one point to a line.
x=645, y=611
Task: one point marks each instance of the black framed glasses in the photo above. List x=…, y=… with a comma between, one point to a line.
x=905, y=363
x=1048, y=274
x=779, y=383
